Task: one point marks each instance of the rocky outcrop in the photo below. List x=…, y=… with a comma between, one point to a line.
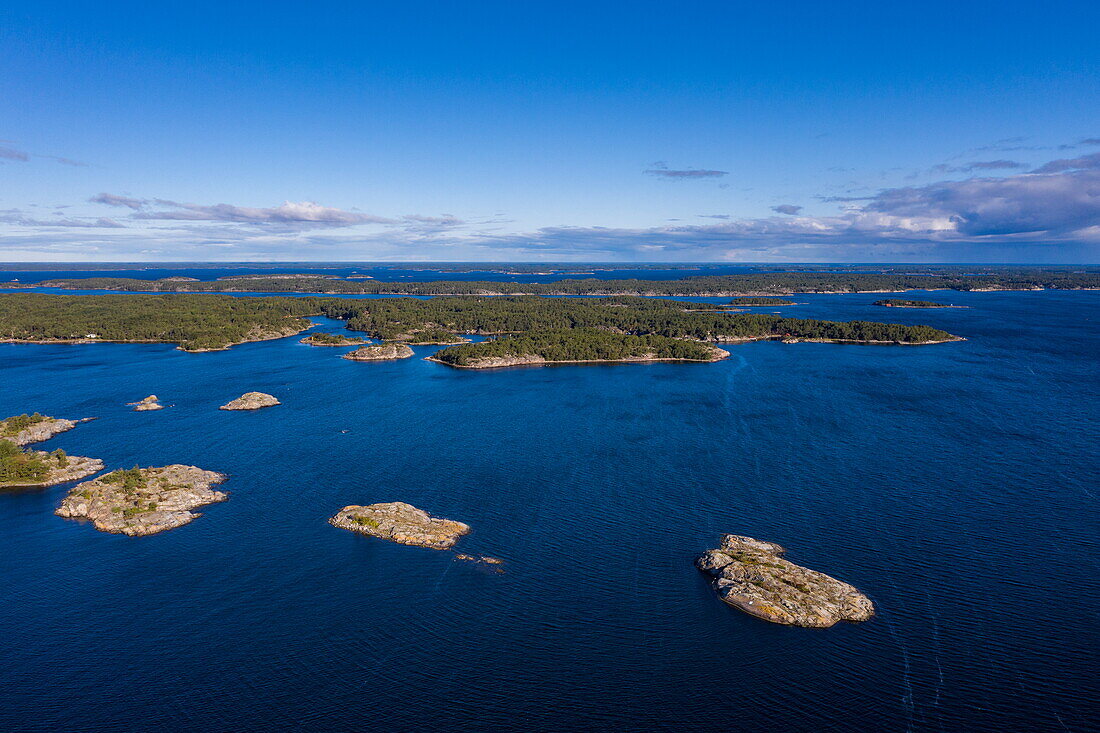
x=380, y=352
x=43, y=428
x=251, y=401
x=753, y=576
x=143, y=501
x=402, y=523
x=60, y=470
x=149, y=403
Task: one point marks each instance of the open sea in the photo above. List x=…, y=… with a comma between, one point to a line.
x=957, y=485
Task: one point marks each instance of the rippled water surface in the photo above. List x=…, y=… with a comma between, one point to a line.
x=956, y=485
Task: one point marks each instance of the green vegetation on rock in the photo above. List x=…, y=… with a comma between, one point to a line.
x=14, y=425
x=21, y=466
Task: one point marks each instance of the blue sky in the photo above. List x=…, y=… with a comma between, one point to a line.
x=843, y=131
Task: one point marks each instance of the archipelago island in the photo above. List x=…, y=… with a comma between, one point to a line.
x=519, y=329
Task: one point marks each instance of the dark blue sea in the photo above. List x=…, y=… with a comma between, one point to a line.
x=957, y=485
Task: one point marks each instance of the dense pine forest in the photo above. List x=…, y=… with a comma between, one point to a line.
x=199, y=322
x=577, y=344
x=195, y=322
x=746, y=284
x=400, y=318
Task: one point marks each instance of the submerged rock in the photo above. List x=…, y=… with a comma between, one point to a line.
x=402, y=523
x=751, y=575
x=143, y=501
x=26, y=429
x=251, y=401
x=149, y=403
x=380, y=352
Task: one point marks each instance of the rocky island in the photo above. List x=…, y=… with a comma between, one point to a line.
x=251, y=401
x=143, y=501
x=319, y=338
x=27, y=429
x=20, y=468
x=753, y=576
x=149, y=403
x=402, y=523
x=380, y=352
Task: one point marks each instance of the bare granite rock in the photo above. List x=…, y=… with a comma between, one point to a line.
x=251, y=401
x=751, y=575
x=59, y=471
x=143, y=501
x=43, y=429
x=149, y=403
x=402, y=523
x=380, y=352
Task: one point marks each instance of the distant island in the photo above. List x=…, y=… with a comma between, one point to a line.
x=750, y=301
x=896, y=303
x=742, y=284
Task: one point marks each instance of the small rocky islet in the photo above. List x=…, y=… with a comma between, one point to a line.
x=402, y=523
x=144, y=405
x=143, y=501
x=251, y=401
x=753, y=576
x=380, y=352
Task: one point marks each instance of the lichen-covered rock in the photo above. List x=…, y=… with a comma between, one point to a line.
x=26, y=429
x=380, y=352
x=251, y=401
x=60, y=470
x=149, y=403
x=402, y=523
x=143, y=501
x=753, y=576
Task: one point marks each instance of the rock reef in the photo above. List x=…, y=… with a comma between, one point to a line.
x=143, y=501
x=753, y=576
x=251, y=401
x=380, y=352
x=402, y=523
x=149, y=403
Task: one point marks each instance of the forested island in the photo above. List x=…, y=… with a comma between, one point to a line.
x=742, y=284
x=575, y=345
x=897, y=303
x=203, y=322
x=195, y=323
x=320, y=338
